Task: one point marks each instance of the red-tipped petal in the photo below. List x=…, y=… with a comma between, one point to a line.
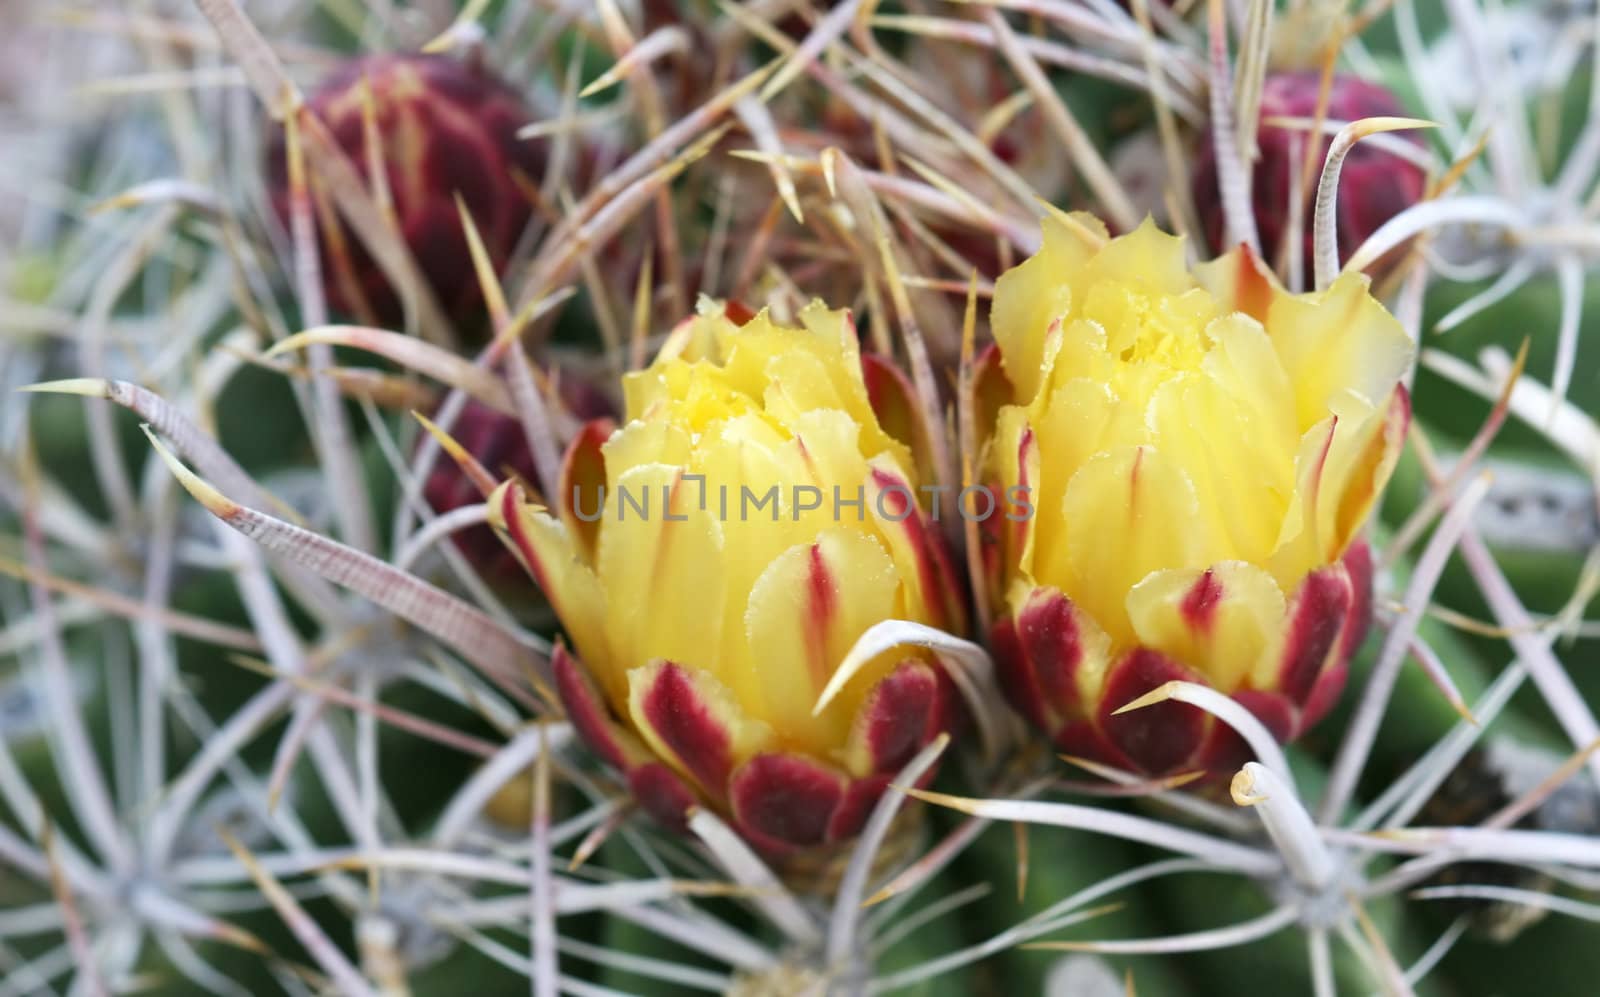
x=821, y=612
x=1358, y=565
x=786, y=798
x=510, y=513
x=688, y=723
x=1160, y=738
x=1050, y=636
x=1224, y=751
x=894, y=402
x=1020, y=523
x=1255, y=287
x=662, y=794
x=1015, y=672
x=1274, y=711
x=915, y=536
x=583, y=482
x=586, y=709
x=1324, y=695
x=737, y=312
x=991, y=389
x=899, y=715
x=856, y=806
x=1316, y=617
x=861, y=795
x=1083, y=739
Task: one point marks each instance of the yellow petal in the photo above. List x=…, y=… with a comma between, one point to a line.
x=1217, y=620
x=1370, y=467
x=661, y=574
x=1013, y=460
x=805, y=612
x=1244, y=365
x=835, y=328
x=749, y=467
x=1243, y=483
x=1358, y=423
x=1147, y=258
x=1338, y=341
x=825, y=455
x=641, y=442
x=1032, y=295
x=1341, y=464
x=1126, y=513
x=1083, y=418
x=1298, y=548
x=565, y=577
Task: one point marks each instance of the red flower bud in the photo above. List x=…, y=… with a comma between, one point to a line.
x=1374, y=186
x=447, y=127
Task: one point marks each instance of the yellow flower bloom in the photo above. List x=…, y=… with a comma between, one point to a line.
x=715, y=559
x=1200, y=449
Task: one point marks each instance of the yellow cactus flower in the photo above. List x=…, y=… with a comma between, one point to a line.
x=1198, y=450
x=715, y=560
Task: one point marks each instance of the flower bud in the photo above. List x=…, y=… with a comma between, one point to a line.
x=448, y=127
x=1374, y=186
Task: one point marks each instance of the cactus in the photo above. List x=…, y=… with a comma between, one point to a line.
x=326, y=663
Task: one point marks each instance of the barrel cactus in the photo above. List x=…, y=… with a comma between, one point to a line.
x=655, y=498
